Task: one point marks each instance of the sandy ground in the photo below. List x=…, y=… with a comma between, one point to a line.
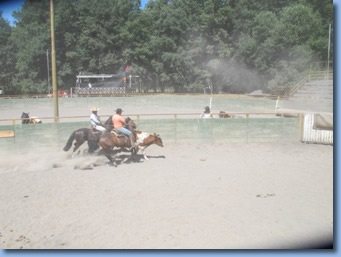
x=196, y=196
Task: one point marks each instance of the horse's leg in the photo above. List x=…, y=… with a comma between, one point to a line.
x=100, y=152
x=112, y=160
x=143, y=153
x=92, y=148
x=78, y=143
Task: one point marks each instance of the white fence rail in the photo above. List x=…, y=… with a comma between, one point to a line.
x=100, y=90
x=311, y=135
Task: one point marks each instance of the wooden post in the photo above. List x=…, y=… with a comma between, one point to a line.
x=54, y=70
x=175, y=129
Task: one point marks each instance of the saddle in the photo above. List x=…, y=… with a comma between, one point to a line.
x=116, y=133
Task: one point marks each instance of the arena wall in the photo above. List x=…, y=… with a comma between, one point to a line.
x=172, y=131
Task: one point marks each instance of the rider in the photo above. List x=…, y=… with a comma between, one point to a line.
x=119, y=122
x=95, y=120
x=207, y=113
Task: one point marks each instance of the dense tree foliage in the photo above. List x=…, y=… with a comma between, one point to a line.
x=174, y=45
x=7, y=57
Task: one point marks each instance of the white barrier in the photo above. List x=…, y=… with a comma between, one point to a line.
x=311, y=135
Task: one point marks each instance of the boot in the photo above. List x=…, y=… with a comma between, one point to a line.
x=132, y=142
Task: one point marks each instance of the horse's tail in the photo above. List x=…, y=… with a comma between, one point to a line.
x=69, y=142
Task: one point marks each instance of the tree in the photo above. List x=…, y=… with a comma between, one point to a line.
x=7, y=57
x=31, y=38
x=183, y=46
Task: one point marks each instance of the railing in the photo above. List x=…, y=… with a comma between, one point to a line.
x=13, y=121
x=317, y=71
x=316, y=75
x=173, y=130
x=239, y=129
x=299, y=84
x=101, y=91
x=321, y=75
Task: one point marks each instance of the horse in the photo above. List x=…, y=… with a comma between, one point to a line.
x=81, y=136
x=223, y=114
x=144, y=140
x=86, y=134
x=27, y=120
x=108, y=142
x=108, y=124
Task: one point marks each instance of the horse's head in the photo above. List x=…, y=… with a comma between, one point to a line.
x=158, y=140
x=108, y=124
x=25, y=115
x=130, y=123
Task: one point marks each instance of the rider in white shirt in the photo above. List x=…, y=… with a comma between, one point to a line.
x=95, y=121
x=206, y=114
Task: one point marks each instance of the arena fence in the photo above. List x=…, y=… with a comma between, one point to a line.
x=101, y=91
x=311, y=135
x=251, y=128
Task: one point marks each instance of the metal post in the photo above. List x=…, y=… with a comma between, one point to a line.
x=54, y=72
x=328, y=48
x=211, y=88
x=48, y=71
x=301, y=126
x=176, y=126
x=276, y=107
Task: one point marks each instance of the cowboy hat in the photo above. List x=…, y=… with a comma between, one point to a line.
x=94, y=109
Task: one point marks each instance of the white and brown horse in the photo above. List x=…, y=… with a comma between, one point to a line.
x=143, y=140
x=109, y=141
x=26, y=119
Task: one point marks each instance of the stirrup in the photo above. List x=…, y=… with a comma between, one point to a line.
x=133, y=147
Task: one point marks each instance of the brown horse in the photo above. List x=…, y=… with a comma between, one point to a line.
x=223, y=114
x=80, y=136
x=108, y=142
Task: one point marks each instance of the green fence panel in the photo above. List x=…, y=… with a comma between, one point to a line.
x=239, y=130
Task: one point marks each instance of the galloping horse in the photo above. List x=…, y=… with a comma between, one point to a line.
x=108, y=123
x=86, y=134
x=27, y=120
x=144, y=140
x=108, y=141
x=81, y=136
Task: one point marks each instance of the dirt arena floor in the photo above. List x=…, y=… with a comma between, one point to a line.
x=188, y=196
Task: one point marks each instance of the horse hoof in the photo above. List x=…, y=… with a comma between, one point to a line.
x=112, y=164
